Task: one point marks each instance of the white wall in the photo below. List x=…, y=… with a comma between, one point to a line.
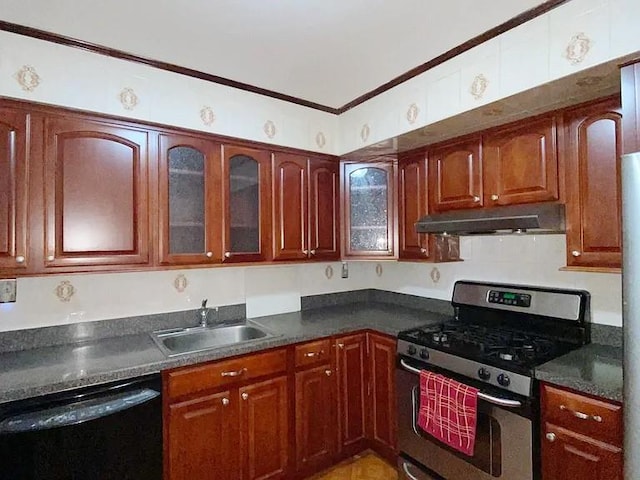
x=529, y=259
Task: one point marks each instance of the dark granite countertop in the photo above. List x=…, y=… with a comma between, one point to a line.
x=595, y=369
x=39, y=371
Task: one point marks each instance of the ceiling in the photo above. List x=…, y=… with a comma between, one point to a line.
x=324, y=51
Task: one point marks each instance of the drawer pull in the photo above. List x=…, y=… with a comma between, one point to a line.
x=237, y=373
x=225, y=401
x=245, y=396
x=551, y=437
x=314, y=354
x=582, y=416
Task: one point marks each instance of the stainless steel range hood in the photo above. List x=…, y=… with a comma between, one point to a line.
x=534, y=218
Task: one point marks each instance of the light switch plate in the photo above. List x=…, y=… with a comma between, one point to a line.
x=8, y=290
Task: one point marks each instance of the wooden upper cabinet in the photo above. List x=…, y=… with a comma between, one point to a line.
x=630, y=78
x=96, y=194
x=290, y=217
x=324, y=201
x=189, y=202
x=520, y=164
x=455, y=175
x=14, y=177
x=412, y=205
x=246, y=204
x=368, y=199
x=593, y=138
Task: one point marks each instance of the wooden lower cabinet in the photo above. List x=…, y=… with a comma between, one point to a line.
x=382, y=407
x=202, y=438
x=315, y=418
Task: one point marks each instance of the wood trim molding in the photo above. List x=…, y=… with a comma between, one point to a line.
x=170, y=67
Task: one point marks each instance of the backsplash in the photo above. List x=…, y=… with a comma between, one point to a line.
x=266, y=290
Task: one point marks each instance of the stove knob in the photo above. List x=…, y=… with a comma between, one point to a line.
x=411, y=350
x=484, y=374
x=504, y=380
x=424, y=354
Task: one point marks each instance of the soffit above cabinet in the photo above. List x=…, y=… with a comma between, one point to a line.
x=329, y=52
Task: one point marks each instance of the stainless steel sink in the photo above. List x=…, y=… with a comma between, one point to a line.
x=181, y=341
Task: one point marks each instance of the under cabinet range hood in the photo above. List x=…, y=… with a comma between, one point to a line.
x=534, y=218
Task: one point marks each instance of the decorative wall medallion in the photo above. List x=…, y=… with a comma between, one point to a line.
x=364, y=133
x=578, y=48
x=328, y=272
x=435, y=275
x=321, y=140
x=479, y=86
x=270, y=129
x=128, y=98
x=378, y=270
x=28, y=78
x=207, y=116
x=64, y=291
x=180, y=283
x=412, y=113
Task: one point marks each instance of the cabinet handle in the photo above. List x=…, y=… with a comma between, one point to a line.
x=227, y=254
x=245, y=396
x=495, y=197
x=582, y=416
x=341, y=345
x=423, y=250
x=225, y=401
x=51, y=258
x=20, y=259
x=476, y=199
x=237, y=373
x=209, y=254
x=327, y=373
x=576, y=253
x=306, y=252
x=551, y=437
x=314, y=354
x=312, y=252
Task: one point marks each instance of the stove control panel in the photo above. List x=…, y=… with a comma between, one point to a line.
x=509, y=298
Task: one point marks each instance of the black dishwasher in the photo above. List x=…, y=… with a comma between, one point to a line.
x=109, y=432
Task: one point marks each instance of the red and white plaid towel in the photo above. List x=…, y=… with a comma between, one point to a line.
x=448, y=411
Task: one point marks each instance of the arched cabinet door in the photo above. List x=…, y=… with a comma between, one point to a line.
x=14, y=170
x=96, y=194
x=369, y=210
x=246, y=204
x=190, y=199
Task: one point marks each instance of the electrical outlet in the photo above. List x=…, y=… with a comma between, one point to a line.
x=8, y=290
x=345, y=270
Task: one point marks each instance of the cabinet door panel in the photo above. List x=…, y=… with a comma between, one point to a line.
x=264, y=432
x=96, y=194
x=13, y=189
x=203, y=439
x=521, y=164
x=247, y=204
x=189, y=207
x=352, y=391
x=594, y=216
x=571, y=456
x=316, y=433
x=290, y=214
x=323, y=210
x=412, y=205
x=456, y=176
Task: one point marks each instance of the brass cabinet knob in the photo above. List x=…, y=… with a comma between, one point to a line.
x=476, y=199
x=576, y=253
x=209, y=254
x=20, y=259
x=423, y=251
x=245, y=396
x=227, y=254
x=312, y=252
x=327, y=373
x=551, y=437
x=225, y=401
x=341, y=345
x=51, y=258
x=306, y=252
x=494, y=197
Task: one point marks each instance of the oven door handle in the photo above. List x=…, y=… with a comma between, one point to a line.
x=502, y=402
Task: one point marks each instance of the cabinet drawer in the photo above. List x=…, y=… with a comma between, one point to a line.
x=313, y=353
x=189, y=380
x=595, y=418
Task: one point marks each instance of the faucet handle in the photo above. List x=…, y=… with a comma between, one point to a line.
x=204, y=303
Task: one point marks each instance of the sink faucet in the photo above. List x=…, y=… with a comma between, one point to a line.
x=204, y=313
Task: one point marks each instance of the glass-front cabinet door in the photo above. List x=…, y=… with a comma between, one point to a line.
x=246, y=204
x=369, y=210
x=189, y=200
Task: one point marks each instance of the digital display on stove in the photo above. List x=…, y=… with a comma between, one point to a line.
x=509, y=298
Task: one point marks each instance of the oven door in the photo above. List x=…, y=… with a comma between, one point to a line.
x=504, y=438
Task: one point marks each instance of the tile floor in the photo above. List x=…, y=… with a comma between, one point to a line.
x=367, y=466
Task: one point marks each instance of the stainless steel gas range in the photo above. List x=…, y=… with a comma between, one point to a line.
x=499, y=334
